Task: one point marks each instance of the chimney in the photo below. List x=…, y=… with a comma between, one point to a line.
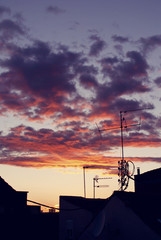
x=138, y=171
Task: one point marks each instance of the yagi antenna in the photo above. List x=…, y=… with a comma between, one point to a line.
x=135, y=110
x=123, y=165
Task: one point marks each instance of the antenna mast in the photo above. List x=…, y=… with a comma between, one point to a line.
x=123, y=165
x=122, y=138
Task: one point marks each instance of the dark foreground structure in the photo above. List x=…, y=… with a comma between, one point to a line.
x=124, y=215
x=21, y=221
x=32, y=227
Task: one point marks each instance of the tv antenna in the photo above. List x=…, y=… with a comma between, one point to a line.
x=95, y=180
x=124, y=166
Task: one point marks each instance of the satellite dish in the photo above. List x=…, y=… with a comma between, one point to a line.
x=98, y=224
x=126, y=171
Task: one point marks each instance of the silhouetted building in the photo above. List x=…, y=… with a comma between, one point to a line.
x=11, y=201
x=75, y=215
x=122, y=216
x=148, y=182
x=20, y=221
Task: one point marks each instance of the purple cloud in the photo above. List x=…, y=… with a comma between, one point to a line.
x=150, y=43
x=4, y=10
x=10, y=29
x=41, y=81
x=158, y=82
x=88, y=81
x=43, y=71
x=120, y=39
x=124, y=77
x=55, y=10
x=42, y=78
x=97, y=46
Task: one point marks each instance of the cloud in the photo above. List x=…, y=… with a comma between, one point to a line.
x=158, y=82
x=135, y=66
x=55, y=10
x=74, y=145
x=43, y=81
x=150, y=43
x=43, y=71
x=4, y=10
x=10, y=29
x=88, y=81
x=36, y=72
x=97, y=46
x=120, y=39
x=70, y=91
x=128, y=76
x=122, y=104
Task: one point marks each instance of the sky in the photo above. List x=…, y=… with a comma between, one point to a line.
x=67, y=69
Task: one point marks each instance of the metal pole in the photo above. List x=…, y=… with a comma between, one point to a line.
x=93, y=187
x=122, y=146
x=84, y=182
x=122, y=141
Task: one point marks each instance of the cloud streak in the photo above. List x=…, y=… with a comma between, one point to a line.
x=24, y=146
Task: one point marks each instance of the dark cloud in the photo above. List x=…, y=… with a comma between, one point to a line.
x=109, y=61
x=74, y=125
x=119, y=49
x=36, y=74
x=97, y=46
x=124, y=76
x=88, y=81
x=55, y=10
x=10, y=26
x=158, y=125
x=135, y=66
x=150, y=43
x=41, y=80
x=42, y=71
x=38, y=50
x=4, y=10
x=9, y=29
x=120, y=39
x=158, y=82
x=106, y=108
x=121, y=104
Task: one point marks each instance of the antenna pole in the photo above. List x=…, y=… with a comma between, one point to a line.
x=94, y=187
x=122, y=141
x=122, y=162
x=84, y=182
x=123, y=165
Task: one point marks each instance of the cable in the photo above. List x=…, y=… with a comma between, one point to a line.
x=55, y=208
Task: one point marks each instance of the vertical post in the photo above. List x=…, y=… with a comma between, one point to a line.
x=122, y=147
x=84, y=181
x=93, y=187
x=122, y=141
x=138, y=171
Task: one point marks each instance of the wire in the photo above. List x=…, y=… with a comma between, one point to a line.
x=55, y=208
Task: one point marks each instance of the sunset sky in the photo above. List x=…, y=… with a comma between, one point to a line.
x=67, y=69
